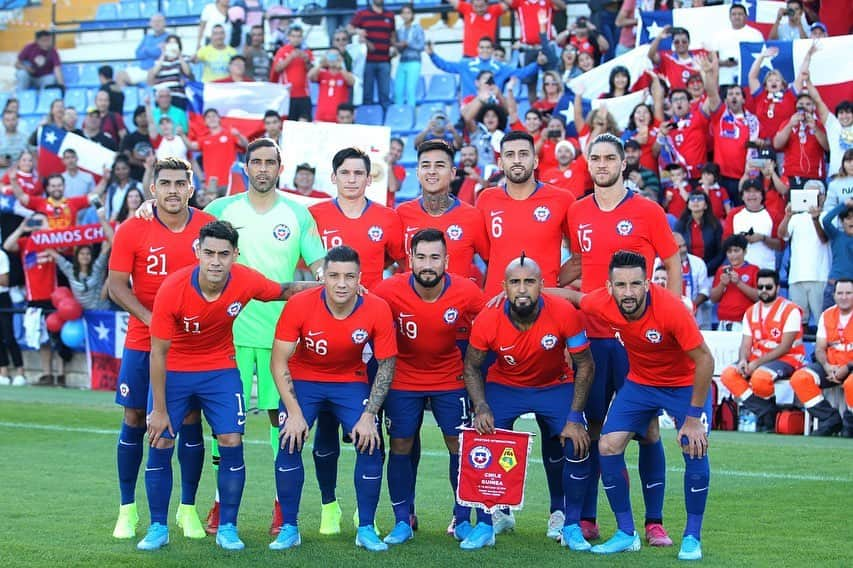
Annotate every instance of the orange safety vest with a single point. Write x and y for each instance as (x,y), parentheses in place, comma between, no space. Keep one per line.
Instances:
(839,342)
(767,333)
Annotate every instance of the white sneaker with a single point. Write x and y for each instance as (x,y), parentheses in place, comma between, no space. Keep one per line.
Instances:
(19,381)
(503,522)
(5,381)
(555,525)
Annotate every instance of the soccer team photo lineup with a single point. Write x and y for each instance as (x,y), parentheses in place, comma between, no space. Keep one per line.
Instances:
(532,281)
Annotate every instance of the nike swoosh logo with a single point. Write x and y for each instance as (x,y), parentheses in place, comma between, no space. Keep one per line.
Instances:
(393,504)
(191,319)
(584,225)
(237,468)
(327,454)
(608,486)
(153,469)
(507,348)
(402,315)
(558,460)
(123,443)
(370,477)
(411,229)
(283,470)
(573,476)
(650,485)
(241,422)
(197,444)
(328,232)
(692,490)
(155,249)
(493,213)
(313,333)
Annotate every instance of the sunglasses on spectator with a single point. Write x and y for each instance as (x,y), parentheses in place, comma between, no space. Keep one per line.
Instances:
(546,83)
(697,198)
(766,286)
(680,41)
(802,109)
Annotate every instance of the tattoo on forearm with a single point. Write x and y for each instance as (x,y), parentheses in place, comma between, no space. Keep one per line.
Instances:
(585,366)
(381,384)
(473,377)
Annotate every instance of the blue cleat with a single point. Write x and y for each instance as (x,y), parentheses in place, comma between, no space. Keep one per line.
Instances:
(289,537)
(366,537)
(573,538)
(691,549)
(481,535)
(401,532)
(156,538)
(619,542)
(462,530)
(227,537)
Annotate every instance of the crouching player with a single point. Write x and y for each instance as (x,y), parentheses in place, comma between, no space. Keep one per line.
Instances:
(192,346)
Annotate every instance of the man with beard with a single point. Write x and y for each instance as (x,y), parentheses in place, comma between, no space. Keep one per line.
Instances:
(771,350)
(469,177)
(610,220)
(671,370)
(427,304)
(527,215)
(529,335)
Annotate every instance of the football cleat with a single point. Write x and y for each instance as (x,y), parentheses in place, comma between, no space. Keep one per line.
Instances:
(367,538)
(128,519)
(451,528)
(330,518)
(277,521)
(227,537)
(503,522)
(656,535)
(555,524)
(691,549)
(572,537)
(401,532)
(211,524)
(19,381)
(288,537)
(187,519)
(590,530)
(156,538)
(481,535)
(619,542)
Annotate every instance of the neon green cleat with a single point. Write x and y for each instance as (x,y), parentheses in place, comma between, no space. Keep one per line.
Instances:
(330,518)
(187,519)
(128,518)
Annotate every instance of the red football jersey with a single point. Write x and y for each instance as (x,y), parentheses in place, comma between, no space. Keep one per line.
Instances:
(658,342)
(428,358)
(477,27)
(61,213)
(333,91)
(39,272)
(731,134)
(573,179)
(527,12)
(149,252)
(463,228)
(636,224)
(219,152)
(376,235)
(200,329)
(535,225)
(536,357)
(330,349)
(690,138)
(734,303)
(804,154)
(677,70)
(772,110)
(296,72)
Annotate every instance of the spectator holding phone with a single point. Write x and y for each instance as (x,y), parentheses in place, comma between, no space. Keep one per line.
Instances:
(172,71)
(24,174)
(734,289)
(701,230)
(439,128)
(773,101)
(290,67)
(804,143)
(335,82)
(790,22)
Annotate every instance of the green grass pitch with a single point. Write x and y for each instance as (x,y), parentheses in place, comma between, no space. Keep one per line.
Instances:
(774,501)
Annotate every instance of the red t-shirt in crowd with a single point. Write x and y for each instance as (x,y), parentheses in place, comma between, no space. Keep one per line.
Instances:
(376,235)
(677,70)
(296,72)
(149,251)
(772,110)
(734,303)
(573,178)
(535,357)
(658,342)
(28,182)
(690,138)
(60,214)
(718,197)
(428,358)
(219,152)
(731,134)
(399,172)
(476,27)
(201,330)
(39,272)
(330,349)
(527,12)
(333,91)
(804,154)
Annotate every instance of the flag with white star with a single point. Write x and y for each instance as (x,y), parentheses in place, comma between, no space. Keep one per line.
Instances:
(105,333)
(53,141)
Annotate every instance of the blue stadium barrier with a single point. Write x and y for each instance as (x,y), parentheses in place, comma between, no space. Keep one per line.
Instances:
(369,114)
(130,11)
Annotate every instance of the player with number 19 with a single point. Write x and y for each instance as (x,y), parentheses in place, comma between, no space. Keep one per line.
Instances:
(193,315)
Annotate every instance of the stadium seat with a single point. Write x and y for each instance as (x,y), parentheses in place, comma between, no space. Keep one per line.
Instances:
(453,114)
(410,189)
(89,75)
(420,92)
(177,8)
(148,9)
(45,98)
(369,114)
(78,98)
(424,113)
(399,118)
(196,6)
(27,101)
(107,12)
(410,153)
(131,11)
(131,99)
(29,123)
(71,74)
(4,97)
(441,88)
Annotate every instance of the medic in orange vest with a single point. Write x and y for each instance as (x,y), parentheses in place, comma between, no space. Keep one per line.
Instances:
(771,350)
(834,356)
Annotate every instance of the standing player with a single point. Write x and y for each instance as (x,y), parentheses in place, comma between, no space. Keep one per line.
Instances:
(276,232)
(530,334)
(527,215)
(671,369)
(611,219)
(374,231)
(317,362)
(194,314)
(144,253)
(426,303)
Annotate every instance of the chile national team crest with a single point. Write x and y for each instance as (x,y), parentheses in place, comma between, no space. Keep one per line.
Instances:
(549,341)
(450,315)
(654,336)
(454,232)
(234,309)
(542,213)
(480,457)
(281,232)
(359,336)
(375,233)
(624,227)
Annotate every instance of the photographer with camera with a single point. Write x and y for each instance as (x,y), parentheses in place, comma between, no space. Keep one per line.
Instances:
(440,128)
(335,82)
(790,22)
(734,289)
(172,71)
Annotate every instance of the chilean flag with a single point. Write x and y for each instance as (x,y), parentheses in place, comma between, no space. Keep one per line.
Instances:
(241,105)
(91,156)
(831,68)
(105,333)
(705,22)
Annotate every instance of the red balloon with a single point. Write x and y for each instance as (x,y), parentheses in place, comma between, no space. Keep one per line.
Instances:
(54,322)
(59,294)
(69,309)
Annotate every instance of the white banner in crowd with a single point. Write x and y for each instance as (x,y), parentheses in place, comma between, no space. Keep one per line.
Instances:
(316,143)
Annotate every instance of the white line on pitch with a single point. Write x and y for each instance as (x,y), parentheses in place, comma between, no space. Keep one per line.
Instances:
(434,454)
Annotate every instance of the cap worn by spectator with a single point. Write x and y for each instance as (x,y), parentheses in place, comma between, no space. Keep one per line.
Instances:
(819,25)
(307,167)
(439,114)
(632,145)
